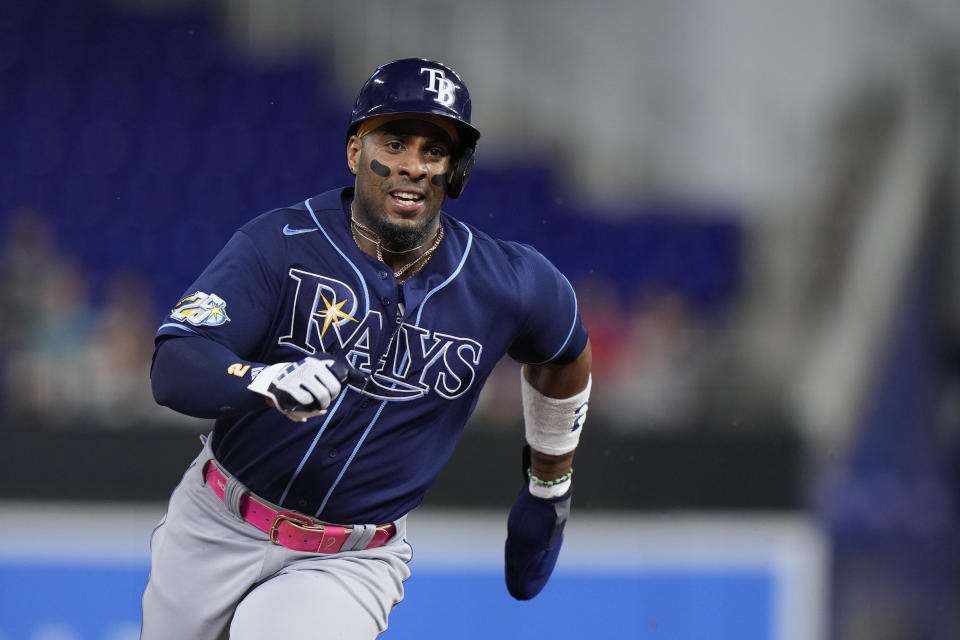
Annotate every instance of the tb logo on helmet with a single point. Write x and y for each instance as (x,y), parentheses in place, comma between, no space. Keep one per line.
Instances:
(441,86)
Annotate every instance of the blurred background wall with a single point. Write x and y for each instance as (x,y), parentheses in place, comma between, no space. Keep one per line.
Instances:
(756,202)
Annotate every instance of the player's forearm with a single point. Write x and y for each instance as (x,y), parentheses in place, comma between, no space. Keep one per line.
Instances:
(558,381)
(555,398)
(548,467)
(202,378)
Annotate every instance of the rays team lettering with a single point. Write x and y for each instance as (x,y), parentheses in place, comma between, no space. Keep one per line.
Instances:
(319,304)
(416,361)
(438,84)
(207,309)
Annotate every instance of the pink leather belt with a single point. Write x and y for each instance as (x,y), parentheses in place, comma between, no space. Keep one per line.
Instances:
(288,528)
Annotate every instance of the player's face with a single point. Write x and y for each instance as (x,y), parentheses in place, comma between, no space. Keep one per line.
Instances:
(401,180)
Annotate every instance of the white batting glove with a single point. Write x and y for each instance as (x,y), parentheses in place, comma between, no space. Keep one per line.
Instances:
(305,389)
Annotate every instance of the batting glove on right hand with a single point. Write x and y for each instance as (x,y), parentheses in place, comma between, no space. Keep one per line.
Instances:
(305,389)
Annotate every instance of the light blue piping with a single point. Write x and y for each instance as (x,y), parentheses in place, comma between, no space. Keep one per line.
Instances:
(573,325)
(174,325)
(353,454)
(453,275)
(323,427)
(366,294)
(316,439)
(366,432)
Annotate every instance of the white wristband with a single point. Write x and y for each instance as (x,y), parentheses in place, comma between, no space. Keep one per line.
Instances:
(553,491)
(552,425)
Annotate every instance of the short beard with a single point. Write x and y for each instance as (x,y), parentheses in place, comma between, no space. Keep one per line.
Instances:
(396,238)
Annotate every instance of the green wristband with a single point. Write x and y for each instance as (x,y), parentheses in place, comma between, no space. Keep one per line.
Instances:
(549,483)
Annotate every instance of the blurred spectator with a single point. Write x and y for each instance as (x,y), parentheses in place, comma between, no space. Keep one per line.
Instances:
(47,369)
(499,406)
(120,352)
(45,318)
(650,361)
(26,258)
(653,377)
(605,318)
(65,362)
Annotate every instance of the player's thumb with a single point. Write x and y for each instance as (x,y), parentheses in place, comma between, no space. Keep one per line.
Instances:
(345,372)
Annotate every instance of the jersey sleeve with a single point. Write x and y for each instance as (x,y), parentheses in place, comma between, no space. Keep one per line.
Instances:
(552,330)
(232,301)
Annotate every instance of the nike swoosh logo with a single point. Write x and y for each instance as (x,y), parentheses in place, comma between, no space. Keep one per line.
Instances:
(287,231)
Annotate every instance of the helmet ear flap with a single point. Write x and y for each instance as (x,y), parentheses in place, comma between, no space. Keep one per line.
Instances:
(460,173)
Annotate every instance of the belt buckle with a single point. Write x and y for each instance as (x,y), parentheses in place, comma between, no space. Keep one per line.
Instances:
(287,516)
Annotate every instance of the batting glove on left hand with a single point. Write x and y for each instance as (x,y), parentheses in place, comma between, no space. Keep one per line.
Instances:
(534,537)
(305,389)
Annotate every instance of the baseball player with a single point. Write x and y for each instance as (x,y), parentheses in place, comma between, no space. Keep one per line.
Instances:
(341,344)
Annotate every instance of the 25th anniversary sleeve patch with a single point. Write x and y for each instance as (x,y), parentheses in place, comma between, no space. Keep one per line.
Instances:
(201,309)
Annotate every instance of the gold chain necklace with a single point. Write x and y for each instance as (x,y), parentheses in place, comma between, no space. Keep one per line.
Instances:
(362,231)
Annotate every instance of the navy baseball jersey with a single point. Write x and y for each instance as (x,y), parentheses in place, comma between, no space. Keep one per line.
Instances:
(292,283)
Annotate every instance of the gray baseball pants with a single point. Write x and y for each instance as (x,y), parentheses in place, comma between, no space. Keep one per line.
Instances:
(214,576)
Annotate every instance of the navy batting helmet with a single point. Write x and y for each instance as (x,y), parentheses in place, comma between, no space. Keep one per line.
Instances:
(417,86)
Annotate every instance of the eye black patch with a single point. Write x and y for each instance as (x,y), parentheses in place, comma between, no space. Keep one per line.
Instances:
(439,180)
(380,169)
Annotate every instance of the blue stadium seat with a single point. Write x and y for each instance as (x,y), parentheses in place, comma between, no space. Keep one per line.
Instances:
(148,142)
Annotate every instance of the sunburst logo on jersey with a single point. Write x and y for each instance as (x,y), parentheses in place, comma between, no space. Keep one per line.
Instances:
(331,313)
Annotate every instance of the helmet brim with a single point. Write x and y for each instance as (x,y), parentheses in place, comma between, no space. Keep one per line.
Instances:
(468,134)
